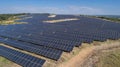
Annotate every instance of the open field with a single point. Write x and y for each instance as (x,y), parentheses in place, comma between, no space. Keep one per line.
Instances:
(109,58)
(101,53)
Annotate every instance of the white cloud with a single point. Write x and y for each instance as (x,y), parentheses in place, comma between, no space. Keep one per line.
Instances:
(58,10)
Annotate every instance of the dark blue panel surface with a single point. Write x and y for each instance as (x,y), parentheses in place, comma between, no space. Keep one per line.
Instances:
(22,59)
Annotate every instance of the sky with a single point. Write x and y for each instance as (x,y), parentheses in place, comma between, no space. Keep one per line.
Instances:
(87,7)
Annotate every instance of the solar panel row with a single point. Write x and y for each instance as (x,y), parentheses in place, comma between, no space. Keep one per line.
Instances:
(40,50)
(40,43)
(22,59)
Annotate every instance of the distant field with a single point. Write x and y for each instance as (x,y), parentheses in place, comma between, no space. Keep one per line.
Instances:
(115,18)
(7,19)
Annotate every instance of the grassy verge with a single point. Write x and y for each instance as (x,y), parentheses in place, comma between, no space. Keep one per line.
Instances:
(111,19)
(109,59)
(4,62)
(107,18)
(11,22)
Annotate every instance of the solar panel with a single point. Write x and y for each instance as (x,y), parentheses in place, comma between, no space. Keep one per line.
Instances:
(41,38)
(43,43)
(53,38)
(40,50)
(22,59)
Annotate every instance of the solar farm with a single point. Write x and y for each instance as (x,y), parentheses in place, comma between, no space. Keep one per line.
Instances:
(50,40)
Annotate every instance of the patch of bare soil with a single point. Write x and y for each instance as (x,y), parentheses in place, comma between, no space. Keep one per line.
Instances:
(52,16)
(15,65)
(60,20)
(78,59)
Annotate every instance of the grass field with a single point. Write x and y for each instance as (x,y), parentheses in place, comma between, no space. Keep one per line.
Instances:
(7,63)
(109,59)
(4,62)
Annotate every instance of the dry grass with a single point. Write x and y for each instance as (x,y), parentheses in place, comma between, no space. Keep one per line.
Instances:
(6,63)
(11,22)
(95,56)
(109,58)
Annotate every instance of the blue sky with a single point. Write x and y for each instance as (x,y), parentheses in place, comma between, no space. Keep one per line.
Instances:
(91,7)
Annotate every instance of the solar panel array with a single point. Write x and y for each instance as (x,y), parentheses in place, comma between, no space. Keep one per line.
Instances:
(23,59)
(52,39)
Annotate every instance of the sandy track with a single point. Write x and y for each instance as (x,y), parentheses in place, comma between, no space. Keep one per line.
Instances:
(86,53)
(78,59)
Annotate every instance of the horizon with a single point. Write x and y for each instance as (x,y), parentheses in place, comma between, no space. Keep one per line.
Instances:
(77,7)
(63,14)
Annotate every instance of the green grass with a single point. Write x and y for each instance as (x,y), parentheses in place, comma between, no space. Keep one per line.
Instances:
(109,59)
(4,62)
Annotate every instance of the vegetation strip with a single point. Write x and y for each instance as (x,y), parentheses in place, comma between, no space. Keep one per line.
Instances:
(6,19)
